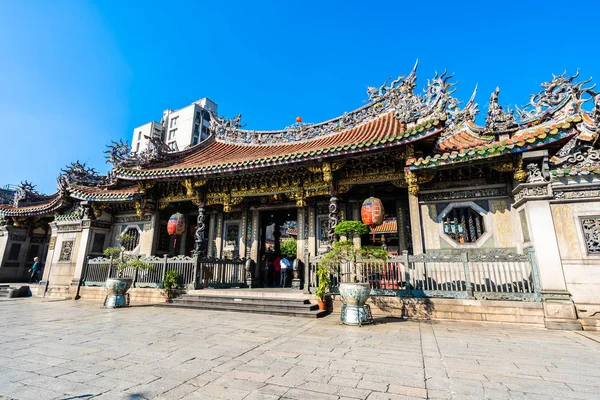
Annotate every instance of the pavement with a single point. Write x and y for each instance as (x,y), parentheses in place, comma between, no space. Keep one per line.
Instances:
(78,350)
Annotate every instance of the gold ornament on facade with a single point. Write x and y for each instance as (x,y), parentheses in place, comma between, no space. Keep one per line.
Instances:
(19,222)
(192,184)
(412,182)
(145,186)
(140,207)
(425,177)
(502,166)
(327,173)
(520,174)
(98,209)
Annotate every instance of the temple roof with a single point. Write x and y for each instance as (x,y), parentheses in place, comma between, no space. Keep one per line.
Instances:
(217,156)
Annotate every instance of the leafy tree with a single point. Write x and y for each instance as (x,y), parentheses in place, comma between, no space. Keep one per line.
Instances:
(288,248)
(351,228)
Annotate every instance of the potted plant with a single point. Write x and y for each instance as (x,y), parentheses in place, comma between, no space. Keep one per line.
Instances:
(348,262)
(323,287)
(170,284)
(117,288)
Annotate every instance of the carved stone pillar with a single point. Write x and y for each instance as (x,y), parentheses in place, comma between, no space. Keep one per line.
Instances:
(219,235)
(255,237)
(199,241)
(415,223)
(334,217)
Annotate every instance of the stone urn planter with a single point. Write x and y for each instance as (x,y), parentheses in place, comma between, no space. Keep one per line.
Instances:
(116,291)
(354,296)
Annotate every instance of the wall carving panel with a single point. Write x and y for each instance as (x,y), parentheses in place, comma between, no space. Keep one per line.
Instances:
(66,251)
(591,233)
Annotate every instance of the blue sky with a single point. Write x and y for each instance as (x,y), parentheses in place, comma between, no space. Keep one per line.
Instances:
(76,74)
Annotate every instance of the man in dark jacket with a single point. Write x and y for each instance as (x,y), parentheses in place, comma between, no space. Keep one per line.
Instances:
(34,270)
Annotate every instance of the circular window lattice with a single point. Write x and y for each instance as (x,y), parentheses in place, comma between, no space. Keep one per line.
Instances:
(133,239)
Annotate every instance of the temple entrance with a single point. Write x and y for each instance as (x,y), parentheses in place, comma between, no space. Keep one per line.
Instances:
(279,231)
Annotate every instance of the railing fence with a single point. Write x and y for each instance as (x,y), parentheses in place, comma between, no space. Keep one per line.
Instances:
(491,275)
(193,272)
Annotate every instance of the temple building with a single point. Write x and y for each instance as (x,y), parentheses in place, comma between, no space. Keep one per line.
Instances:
(526,183)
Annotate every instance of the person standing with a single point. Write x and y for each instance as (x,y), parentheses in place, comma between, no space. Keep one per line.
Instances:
(285,267)
(34,270)
(277,271)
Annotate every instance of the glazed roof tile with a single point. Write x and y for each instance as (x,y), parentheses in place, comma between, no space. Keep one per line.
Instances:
(389,226)
(384,131)
(524,140)
(104,194)
(51,204)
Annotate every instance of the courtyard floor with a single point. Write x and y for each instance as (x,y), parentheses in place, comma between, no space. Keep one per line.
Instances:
(77,350)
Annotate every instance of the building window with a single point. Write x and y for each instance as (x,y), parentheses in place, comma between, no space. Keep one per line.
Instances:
(137,147)
(196,128)
(172,145)
(197,116)
(133,239)
(174,122)
(206,115)
(195,140)
(172,133)
(140,135)
(591,233)
(66,250)
(463,225)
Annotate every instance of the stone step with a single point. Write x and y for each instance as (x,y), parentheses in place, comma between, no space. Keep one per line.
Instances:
(248,309)
(258,292)
(244,299)
(258,304)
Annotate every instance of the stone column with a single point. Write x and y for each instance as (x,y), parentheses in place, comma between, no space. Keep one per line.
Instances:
(219,235)
(300,236)
(4,233)
(210,251)
(312,230)
(534,193)
(415,222)
(199,241)
(149,236)
(559,310)
(334,217)
(82,251)
(255,237)
(244,232)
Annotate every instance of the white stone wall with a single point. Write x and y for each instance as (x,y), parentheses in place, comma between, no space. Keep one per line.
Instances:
(581,270)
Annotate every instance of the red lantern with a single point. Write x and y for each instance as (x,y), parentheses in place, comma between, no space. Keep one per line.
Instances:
(298,119)
(176,225)
(372,212)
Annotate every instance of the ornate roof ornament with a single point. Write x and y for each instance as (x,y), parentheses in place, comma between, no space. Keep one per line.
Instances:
(498,120)
(581,160)
(396,96)
(459,117)
(20,194)
(120,154)
(78,172)
(556,94)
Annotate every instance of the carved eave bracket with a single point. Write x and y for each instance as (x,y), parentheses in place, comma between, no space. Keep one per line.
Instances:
(412,180)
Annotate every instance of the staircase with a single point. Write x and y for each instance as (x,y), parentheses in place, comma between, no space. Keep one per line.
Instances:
(6,290)
(284,303)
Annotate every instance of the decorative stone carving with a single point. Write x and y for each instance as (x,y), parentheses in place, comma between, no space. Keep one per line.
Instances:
(464,194)
(576,194)
(333,218)
(534,174)
(582,160)
(66,251)
(591,233)
(199,244)
(531,191)
(132,218)
(553,96)
(497,119)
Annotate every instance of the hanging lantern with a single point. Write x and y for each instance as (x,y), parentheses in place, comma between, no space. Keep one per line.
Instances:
(372,212)
(176,225)
(298,119)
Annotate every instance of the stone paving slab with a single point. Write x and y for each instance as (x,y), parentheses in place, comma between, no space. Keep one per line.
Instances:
(67,350)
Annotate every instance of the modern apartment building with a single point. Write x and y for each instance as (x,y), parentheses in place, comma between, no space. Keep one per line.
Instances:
(179,129)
